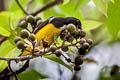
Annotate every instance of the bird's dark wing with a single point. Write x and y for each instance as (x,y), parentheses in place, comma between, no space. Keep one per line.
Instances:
(59,22)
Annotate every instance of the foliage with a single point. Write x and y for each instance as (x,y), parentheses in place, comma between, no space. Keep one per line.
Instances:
(30,76)
(58,60)
(108,10)
(113,19)
(7,50)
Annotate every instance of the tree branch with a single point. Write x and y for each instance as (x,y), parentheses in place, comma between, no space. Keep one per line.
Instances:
(28,57)
(46,6)
(7,74)
(2,39)
(21,7)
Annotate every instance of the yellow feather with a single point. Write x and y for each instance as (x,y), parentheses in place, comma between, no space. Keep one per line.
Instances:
(46,33)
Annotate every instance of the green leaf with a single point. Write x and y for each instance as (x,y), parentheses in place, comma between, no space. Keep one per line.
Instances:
(78,15)
(67,10)
(15,7)
(18,30)
(90,24)
(58,60)
(5,17)
(113,19)
(80,3)
(31,75)
(4,32)
(56,11)
(112,1)
(17,52)
(4,21)
(55,37)
(12,37)
(66,2)
(102,5)
(41,1)
(6,50)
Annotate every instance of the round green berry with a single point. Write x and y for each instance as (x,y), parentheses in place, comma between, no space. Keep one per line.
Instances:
(70,38)
(30,19)
(82,33)
(37,18)
(24,33)
(89,41)
(78,60)
(77,68)
(75,34)
(85,46)
(39,22)
(82,41)
(23,24)
(53,48)
(32,37)
(58,53)
(71,28)
(20,45)
(17,39)
(82,51)
(64,48)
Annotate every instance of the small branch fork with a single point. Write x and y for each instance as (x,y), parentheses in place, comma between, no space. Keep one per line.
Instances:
(21,7)
(46,6)
(28,57)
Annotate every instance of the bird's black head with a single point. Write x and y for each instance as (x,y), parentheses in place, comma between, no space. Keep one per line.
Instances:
(72,20)
(60,21)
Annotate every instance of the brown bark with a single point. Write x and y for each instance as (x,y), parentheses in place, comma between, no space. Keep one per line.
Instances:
(2,5)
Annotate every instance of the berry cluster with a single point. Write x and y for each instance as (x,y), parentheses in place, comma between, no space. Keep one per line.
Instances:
(75,37)
(71,35)
(25,32)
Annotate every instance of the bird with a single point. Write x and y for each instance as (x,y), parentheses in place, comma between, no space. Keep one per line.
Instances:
(46,30)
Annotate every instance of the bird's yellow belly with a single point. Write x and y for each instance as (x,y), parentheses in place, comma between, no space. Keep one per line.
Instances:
(47,33)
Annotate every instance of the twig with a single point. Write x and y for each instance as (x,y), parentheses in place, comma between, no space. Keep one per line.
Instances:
(2,39)
(28,57)
(24,67)
(21,7)
(33,50)
(14,74)
(46,6)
